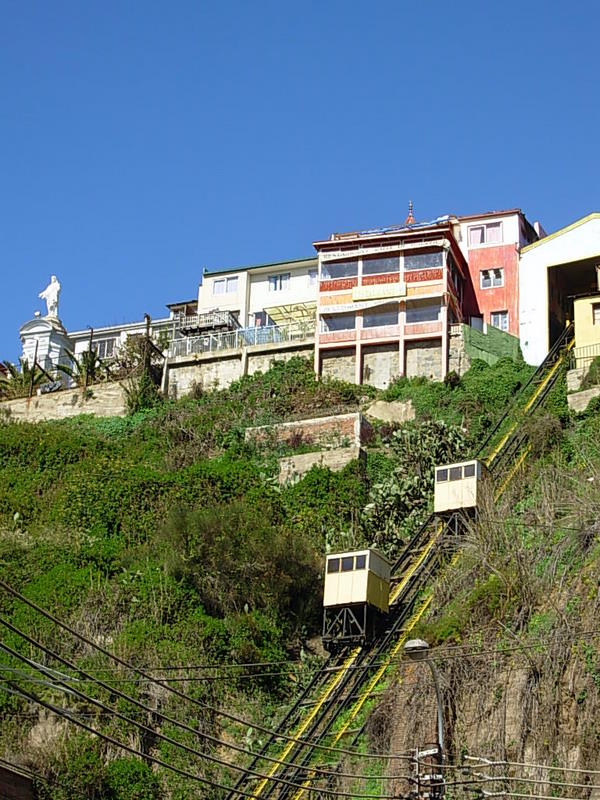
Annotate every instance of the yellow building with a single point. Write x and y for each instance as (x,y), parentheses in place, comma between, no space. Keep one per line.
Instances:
(587,330)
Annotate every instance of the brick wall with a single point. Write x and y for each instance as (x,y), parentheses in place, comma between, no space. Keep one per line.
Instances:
(333,432)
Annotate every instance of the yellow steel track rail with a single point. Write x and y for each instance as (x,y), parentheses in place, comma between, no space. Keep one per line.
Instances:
(420,611)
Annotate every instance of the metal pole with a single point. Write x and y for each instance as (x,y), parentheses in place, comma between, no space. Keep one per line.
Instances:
(87,368)
(440,711)
(34,365)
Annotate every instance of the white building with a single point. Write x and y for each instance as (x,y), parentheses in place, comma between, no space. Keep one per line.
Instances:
(553,272)
(265,294)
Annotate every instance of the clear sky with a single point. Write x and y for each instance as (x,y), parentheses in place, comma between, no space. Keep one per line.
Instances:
(141,141)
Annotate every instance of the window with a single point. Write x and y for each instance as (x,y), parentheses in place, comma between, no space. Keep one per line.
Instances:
(278,283)
(225,285)
(105,348)
(424,311)
(469,470)
(490,278)
(375,319)
(424,260)
(499,319)
(339,269)
(347,563)
(376,266)
(441,475)
(312,277)
(339,322)
(485,234)
(596,313)
(361,562)
(333,565)
(455,473)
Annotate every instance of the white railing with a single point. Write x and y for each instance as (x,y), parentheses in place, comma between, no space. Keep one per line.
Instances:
(242,337)
(206,320)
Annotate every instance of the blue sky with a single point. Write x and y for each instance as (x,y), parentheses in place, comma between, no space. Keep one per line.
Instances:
(143,141)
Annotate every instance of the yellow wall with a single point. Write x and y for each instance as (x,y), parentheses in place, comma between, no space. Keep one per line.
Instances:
(586,333)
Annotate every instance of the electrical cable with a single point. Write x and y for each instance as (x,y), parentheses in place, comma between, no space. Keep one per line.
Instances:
(175,691)
(66,714)
(139,704)
(491,763)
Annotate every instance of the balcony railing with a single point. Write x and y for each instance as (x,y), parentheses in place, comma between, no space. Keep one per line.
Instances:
(242,337)
(209,319)
(583,356)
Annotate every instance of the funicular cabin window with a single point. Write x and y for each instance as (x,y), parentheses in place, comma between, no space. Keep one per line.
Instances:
(339,269)
(441,475)
(455,473)
(347,563)
(424,260)
(376,266)
(469,470)
(361,562)
(333,565)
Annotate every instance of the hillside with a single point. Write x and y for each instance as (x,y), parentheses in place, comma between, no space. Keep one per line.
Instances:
(166,539)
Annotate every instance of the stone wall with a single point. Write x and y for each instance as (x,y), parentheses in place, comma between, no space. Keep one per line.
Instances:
(293,468)
(339,363)
(424,358)
(218,370)
(332,432)
(101,399)
(381,364)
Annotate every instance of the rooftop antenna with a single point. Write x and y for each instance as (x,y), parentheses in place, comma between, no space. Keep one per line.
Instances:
(410,220)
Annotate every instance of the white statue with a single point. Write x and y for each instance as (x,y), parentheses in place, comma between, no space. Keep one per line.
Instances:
(50,295)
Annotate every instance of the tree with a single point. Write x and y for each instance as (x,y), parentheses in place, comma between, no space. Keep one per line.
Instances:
(18,382)
(84,369)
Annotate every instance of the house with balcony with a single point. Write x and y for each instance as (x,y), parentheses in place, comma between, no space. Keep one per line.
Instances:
(386,300)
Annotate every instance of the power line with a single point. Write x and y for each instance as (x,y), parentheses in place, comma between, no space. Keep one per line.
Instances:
(177,692)
(66,714)
(491,763)
(142,706)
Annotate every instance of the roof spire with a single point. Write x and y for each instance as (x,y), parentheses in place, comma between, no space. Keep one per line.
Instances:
(410,220)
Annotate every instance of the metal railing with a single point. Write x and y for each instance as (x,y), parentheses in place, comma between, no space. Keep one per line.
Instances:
(206,320)
(242,337)
(583,356)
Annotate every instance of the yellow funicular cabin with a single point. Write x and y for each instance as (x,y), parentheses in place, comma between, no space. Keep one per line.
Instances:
(459,486)
(356,596)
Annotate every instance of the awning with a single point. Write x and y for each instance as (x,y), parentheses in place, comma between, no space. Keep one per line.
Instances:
(294,312)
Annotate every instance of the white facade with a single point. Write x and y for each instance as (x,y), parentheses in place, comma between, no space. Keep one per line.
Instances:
(108,339)
(257,295)
(497,230)
(575,243)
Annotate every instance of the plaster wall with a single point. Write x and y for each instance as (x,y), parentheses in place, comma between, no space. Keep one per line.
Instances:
(298,291)
(586,333)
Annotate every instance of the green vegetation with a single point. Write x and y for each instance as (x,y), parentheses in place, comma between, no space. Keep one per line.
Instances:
(166,537)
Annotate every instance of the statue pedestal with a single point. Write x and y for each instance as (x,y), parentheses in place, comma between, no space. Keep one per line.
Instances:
(52,342)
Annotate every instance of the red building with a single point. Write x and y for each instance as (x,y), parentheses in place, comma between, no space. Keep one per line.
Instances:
(491,244)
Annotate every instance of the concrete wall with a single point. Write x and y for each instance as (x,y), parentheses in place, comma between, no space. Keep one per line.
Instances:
(424,359)
(102,400)
(467,343)
(577,242)
(294,467)
(380,364)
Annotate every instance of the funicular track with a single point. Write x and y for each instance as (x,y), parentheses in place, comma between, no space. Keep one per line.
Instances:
(347,680)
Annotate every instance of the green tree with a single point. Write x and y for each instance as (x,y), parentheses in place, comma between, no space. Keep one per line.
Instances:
(84,369)
(17,382)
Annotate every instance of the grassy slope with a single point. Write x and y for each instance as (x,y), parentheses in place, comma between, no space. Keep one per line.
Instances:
(165,536)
